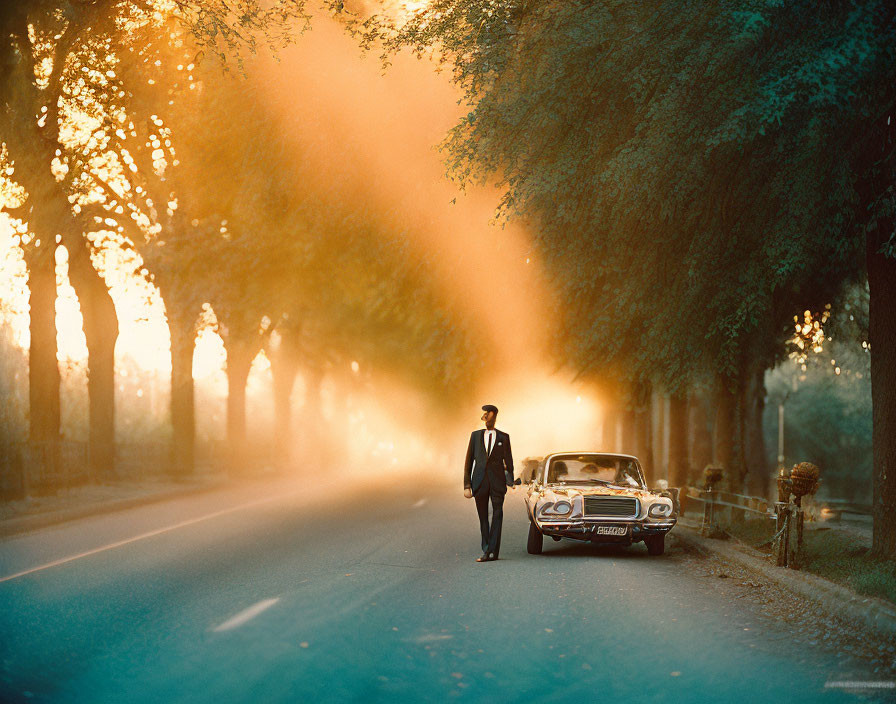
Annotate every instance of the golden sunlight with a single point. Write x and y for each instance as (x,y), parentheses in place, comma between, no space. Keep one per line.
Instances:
(143,335)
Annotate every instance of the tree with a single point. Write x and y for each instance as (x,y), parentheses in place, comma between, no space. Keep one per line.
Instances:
(696,173)
(259,235)
(825,387)
(60,57)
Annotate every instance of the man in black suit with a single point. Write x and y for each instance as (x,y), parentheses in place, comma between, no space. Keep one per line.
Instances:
(488,471)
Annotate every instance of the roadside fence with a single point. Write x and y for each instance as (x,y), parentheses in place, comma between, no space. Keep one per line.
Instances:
(40,468)
(725,506)
(787,512)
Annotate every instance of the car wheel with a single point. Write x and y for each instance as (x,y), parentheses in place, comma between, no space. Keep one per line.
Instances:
(536,540)
(656,544)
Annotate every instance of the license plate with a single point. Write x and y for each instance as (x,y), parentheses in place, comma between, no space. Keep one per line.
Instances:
(611,530)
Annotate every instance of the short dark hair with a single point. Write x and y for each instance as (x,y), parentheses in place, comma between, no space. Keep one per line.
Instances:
(490,407)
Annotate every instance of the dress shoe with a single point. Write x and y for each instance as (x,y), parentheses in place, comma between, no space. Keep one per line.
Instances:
(484,557)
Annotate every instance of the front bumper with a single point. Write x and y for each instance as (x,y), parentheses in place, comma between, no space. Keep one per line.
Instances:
(586,529)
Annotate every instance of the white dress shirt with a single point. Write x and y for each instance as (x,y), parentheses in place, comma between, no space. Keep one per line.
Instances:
(485,439)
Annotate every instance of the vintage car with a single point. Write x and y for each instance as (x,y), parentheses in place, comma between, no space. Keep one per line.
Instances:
(596,497)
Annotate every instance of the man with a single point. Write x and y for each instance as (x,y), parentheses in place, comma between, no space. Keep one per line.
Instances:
(488,471)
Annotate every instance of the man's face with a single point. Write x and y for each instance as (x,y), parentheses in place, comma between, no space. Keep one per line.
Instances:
(489,418)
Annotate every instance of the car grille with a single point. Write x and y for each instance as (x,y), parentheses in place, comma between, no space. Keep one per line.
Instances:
(615,506)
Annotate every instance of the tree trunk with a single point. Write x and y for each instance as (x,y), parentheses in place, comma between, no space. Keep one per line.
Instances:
(700,441)
(315,442)
(284,369)
(183,415)
(240,353)
(627,418)
(755,461)
(882,336)
(32,149)
(101,332)
(724,427)
(608,428)
(644,428)
(284,375)
(678,440)
(643,440)
(43,367)
(314,379)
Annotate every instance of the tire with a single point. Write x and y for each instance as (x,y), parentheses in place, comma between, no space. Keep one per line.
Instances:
(656,544)
(535,544)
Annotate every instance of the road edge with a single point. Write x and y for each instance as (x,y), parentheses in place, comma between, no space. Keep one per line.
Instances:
(12,527)
(871,613)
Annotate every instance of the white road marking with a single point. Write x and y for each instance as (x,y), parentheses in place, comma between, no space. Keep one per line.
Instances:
(142,536)
(246,615)
(431,638)
(419,503)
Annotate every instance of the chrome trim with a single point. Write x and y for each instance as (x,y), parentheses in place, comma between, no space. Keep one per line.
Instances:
(583,531)
(636,514)
(659,503)
(594,520)
(547,510)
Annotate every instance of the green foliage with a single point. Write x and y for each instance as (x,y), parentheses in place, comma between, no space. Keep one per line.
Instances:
(691,170)
(217,209)
(258,231)
(827,417)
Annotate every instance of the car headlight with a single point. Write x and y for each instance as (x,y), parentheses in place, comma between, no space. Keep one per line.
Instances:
(561,508)
(660,510)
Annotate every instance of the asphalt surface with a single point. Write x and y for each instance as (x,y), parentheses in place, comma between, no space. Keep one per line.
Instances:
(295,594)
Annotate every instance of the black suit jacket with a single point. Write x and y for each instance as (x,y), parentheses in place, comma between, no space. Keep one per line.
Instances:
(498,466)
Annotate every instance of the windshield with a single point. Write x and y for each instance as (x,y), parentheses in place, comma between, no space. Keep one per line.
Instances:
(603,469)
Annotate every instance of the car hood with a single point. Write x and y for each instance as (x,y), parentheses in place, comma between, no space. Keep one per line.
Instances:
(572,491)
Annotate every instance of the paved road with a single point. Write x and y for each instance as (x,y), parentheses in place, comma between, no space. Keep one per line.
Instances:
(374,596)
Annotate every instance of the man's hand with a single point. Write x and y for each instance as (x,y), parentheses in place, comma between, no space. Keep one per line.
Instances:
(468,492)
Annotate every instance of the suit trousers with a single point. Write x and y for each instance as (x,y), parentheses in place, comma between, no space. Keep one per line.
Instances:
(491,533)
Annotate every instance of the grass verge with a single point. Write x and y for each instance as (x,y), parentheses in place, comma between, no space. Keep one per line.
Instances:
(837,555)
